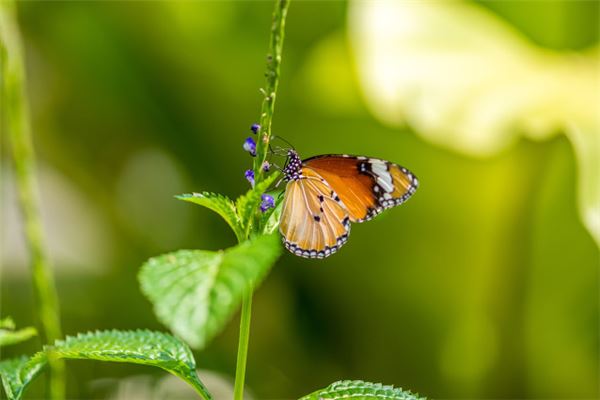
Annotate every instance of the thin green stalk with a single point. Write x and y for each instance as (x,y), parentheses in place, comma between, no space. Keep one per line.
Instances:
(16,116)
(262,146)
(242,355)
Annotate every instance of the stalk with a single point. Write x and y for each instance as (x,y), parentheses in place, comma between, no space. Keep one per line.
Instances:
(272,82)
(242,355)
(15,115)
(262,146)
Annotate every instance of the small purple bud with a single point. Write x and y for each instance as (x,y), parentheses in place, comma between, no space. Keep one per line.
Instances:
(266,166)
(255,128)
(250,146)
(249,174)
(267,202)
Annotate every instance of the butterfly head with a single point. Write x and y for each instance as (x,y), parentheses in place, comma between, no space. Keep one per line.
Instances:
(293,166)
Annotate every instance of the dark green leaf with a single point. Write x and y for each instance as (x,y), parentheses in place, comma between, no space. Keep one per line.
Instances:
(359,390)
(196,292)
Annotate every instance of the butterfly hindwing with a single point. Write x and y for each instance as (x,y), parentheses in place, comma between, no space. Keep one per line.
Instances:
(366,186)
(314,222)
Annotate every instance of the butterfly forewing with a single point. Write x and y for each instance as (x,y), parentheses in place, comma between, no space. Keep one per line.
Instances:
(366,186)
(314,221)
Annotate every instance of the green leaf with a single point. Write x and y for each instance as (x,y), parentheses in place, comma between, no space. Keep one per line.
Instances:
(269,221)
(137,347)
(361,390)
(196,292)
(247,204)
(8,334)
(220,204)
(17,373)
(7,323)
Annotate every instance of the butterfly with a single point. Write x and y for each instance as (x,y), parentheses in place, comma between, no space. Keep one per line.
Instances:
(324,194)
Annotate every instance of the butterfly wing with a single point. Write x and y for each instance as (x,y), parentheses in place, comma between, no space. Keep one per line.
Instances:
(366,186)
(313,223)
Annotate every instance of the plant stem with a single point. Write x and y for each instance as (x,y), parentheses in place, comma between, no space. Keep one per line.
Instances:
(264,137)
(242,356)
(16,115)
(272,82)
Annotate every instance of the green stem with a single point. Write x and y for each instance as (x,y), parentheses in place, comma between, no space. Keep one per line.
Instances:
(262,146)
(19,132)
(272,82)
(242,356)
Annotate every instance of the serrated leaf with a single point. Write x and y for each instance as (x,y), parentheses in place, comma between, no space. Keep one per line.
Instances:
(247,204)
(220,204)
(17,373)
(137,347)
(361,390)
(196,292)
(8,334)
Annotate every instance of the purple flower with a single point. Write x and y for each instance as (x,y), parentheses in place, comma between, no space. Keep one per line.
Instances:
(266,166)
(267,202)
(250,146)
(249,174)
(255,128)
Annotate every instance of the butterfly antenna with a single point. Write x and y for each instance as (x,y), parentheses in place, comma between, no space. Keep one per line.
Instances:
(284,140)
(278,183)
(279,151)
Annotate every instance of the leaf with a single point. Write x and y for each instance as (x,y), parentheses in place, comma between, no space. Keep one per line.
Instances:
(137,347)
(361,390)
(7,323)
(220,204)
(247,204)
(8,334)
(17,373)
(269,221)
(196,292)
(13,337)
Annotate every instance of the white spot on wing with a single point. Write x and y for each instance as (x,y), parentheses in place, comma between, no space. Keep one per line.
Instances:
(386,183)
(379,168)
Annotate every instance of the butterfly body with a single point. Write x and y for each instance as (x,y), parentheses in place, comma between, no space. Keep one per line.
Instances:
(325,193)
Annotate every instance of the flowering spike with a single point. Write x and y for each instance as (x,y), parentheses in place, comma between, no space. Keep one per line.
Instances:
(249,174)
(266,166)
(250,146)
(267,202)
(255,128)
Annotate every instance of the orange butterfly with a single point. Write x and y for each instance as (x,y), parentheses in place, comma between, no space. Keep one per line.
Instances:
(325,193)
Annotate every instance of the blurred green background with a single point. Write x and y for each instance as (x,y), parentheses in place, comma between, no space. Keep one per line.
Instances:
(484,285)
